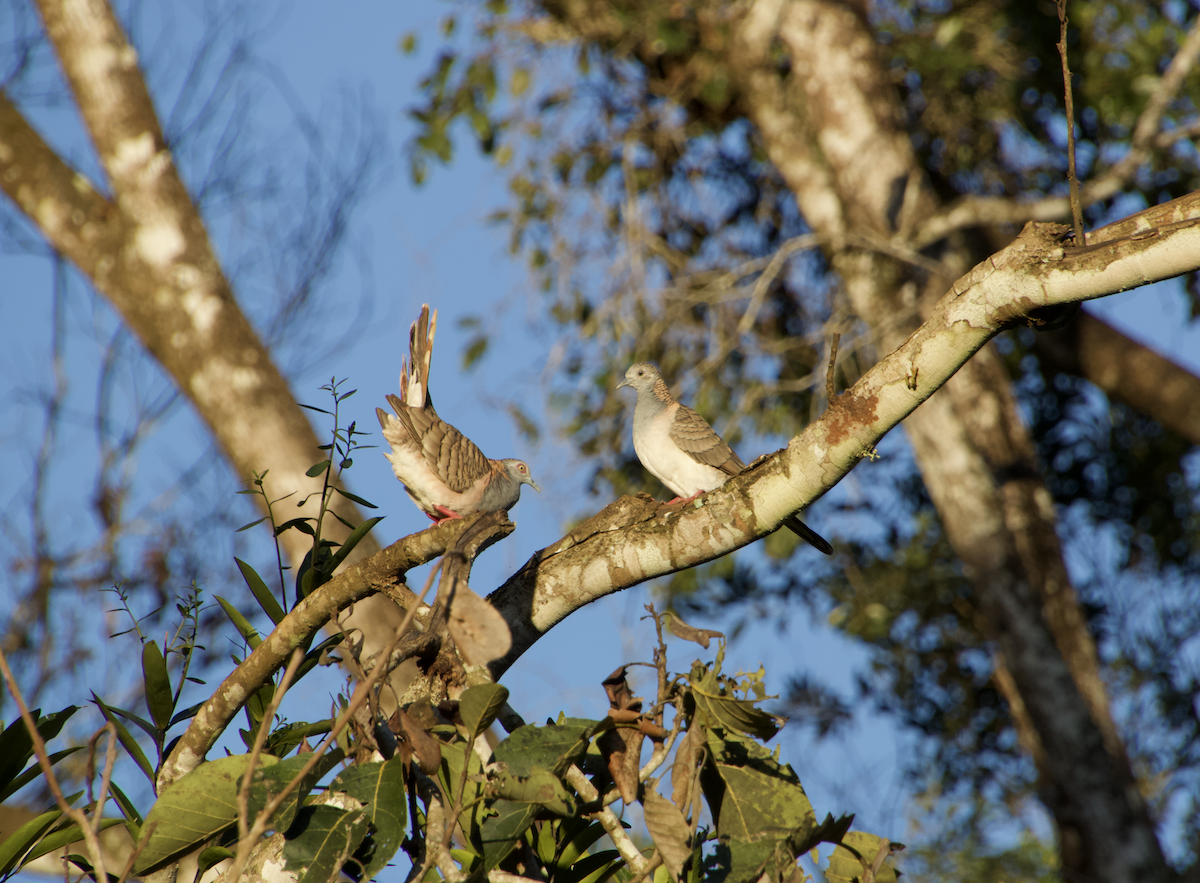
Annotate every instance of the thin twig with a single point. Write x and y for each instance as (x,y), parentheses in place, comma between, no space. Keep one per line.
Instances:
(607,819)
(1069,107)
(264,726)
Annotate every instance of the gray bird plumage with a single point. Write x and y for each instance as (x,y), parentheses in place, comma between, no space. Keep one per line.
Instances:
(443,471)
(682,450)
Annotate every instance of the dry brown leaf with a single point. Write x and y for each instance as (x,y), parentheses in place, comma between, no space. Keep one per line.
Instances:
(477,627)
(669,830)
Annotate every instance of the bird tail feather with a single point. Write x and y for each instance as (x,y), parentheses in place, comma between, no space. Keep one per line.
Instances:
(810,536)
(414,375)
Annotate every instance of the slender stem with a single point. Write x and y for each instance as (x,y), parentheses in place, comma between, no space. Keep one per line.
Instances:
(1069,107)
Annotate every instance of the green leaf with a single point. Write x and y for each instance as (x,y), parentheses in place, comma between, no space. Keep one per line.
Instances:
(479,705)
(756,794)
(300,524)
(16,748)
(126,805)
(317,468)
(271,780)
(355,498)
(126,739)
(209,858)
(255,523)
(260,591)
(593,868)
(554,746)
(856,852)
(577,837)
(33,772)
(475,350)
(65,836)
(240,623)
(500,832)
(142,724)
(283,739)
(189,712)
(540,786)
(20,841)
(727,712)
(351,541)
(321,840)
(201,804)
(159,700)
(314,656)
(380,788)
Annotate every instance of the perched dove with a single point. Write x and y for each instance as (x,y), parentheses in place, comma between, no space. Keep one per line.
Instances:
(443,471)
(682,451)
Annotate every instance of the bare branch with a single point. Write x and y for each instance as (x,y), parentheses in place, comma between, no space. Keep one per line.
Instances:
(972,211)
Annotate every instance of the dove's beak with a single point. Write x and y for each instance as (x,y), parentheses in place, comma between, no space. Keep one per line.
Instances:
(624,382)
(533,484)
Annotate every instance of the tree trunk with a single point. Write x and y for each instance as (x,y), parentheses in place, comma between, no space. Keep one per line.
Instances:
(832,128)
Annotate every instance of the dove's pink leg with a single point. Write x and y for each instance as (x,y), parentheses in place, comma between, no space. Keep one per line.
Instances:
(450,514)
(681,500)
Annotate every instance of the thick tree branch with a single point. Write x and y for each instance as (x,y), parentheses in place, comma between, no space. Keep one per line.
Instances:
(381,573)
(147,251)
(636,538)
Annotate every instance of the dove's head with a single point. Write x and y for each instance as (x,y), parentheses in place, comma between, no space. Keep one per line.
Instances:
(519,473)
(641,376)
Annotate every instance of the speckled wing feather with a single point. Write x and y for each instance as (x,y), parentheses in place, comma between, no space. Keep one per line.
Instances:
(700,441)
(451,455)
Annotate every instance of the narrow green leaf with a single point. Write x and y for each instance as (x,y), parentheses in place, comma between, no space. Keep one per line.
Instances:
(33,772)
(351,541)
(160,701)
(479,706)
(300,524)
(140,722)
(261,593)
(64,836)
(127,741)
(191,710)
(355,498)
(285,738)
(16,748)
(317,468)
(126,805)
(594,868)
(255,523)
(20,841)
(240,623)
